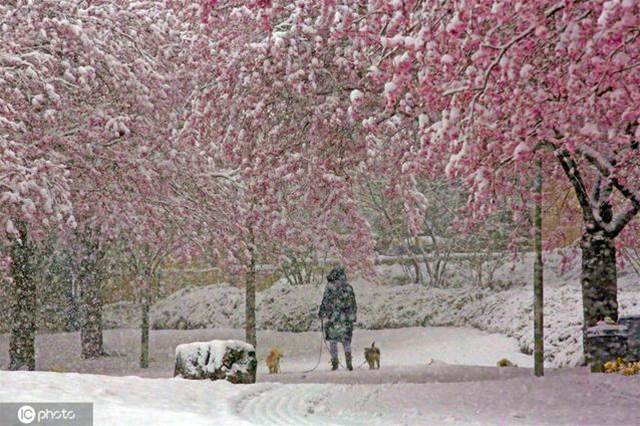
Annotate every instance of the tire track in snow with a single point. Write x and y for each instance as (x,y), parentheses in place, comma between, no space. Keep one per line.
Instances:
(306,404)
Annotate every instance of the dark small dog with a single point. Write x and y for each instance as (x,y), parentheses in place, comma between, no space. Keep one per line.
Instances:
(372,355)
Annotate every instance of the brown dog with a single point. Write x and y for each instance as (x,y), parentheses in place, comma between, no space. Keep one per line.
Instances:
(273,361)
(372,355)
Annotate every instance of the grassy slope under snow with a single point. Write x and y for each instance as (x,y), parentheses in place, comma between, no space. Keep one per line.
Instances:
(286,308)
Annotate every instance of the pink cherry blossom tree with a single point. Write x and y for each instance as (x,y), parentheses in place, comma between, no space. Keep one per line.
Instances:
(489,85)
(251,219)
(268,169)
(86,117)
(130,150)
(475,90)
(558,80)
(35,185)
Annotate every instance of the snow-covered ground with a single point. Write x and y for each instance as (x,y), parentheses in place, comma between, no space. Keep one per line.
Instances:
(406,347)
(564,399)
(505,308)
(411,355)
(578,398)
(439,349)
(130,400)
(429,376)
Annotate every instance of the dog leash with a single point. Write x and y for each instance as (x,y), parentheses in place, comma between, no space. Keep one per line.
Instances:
(339,362)
(361,365)
(319,354)
(322,343)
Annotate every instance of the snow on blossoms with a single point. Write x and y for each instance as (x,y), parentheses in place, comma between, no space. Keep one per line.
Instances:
(83,106)
(478,90)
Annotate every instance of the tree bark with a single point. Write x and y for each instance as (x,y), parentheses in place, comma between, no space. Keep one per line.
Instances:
(250,300)
(598,279)
(22,351)
(599,274)
(538,281)
(416,269)
(479,272)
(91,307)
(144,332)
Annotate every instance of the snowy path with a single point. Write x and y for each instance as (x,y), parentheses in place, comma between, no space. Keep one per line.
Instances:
(402,347)
(567,397)
(437,372)
(459,388)
(296,405)
(573,397)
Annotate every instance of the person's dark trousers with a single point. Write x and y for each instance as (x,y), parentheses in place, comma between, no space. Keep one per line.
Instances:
(333,350)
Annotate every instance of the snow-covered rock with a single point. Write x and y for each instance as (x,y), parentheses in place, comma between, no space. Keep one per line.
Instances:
(231,360)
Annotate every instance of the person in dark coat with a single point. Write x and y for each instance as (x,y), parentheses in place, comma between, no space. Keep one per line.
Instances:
(338,314)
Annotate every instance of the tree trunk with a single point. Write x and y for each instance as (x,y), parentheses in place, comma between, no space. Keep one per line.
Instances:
(599,280)
(250,301)
(22,351)
(144,332)
(599,274)
(538,280)
(418,274)
(91,307)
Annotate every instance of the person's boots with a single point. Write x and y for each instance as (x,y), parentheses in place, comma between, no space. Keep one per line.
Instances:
(347,356)
(334,364)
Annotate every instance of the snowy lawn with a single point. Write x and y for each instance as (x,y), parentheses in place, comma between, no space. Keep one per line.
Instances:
(128,400)
(508,311)
(402,347)
(560,399)
(428,376)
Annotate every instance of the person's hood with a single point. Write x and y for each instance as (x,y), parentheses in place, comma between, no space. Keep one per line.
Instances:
(337,274)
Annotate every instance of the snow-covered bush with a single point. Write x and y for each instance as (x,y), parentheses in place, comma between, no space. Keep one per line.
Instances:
(285,307)
(231,360)
(217,305)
